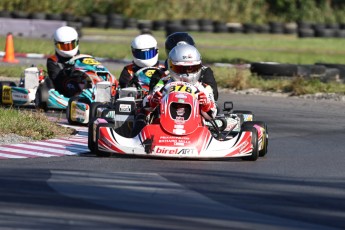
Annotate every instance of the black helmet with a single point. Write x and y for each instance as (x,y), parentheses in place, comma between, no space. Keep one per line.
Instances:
(175,38)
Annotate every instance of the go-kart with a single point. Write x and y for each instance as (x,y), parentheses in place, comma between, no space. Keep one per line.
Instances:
(179,130)
(138,87)
(99,86)
(96,84)
(24,93)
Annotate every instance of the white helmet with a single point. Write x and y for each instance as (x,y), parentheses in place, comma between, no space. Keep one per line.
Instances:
(66,41)
(144,50)
(184,63)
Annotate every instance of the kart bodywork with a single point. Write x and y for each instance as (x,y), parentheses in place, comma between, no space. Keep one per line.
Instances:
(179,130)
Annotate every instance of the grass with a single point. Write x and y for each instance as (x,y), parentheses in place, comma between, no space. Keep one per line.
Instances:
(214,47)
(30,124)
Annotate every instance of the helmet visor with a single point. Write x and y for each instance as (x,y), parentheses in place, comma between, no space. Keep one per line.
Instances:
(67,46)
(181,69)
(144,54)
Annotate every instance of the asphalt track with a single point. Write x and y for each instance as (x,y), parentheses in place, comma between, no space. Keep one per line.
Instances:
(300,184)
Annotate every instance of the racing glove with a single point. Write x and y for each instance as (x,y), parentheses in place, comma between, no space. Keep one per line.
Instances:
(204,102)
(155,99)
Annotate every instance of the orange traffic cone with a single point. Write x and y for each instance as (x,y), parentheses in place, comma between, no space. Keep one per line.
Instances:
(9,50)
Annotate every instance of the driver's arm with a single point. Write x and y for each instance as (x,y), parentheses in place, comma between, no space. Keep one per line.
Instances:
(124,78)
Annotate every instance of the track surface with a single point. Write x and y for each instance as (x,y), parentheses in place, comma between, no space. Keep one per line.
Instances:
(298,185)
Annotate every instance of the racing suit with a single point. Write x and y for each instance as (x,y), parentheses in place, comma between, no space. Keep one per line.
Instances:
(208,106)
(128,72)
(61,74)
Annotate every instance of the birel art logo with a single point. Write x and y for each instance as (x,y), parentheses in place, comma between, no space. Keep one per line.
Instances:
(173,151)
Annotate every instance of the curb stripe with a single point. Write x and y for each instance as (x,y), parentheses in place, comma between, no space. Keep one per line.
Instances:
(24,151)
(38,150)
(50,147)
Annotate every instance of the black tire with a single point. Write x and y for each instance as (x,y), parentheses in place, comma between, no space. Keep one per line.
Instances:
(276,27)
(340,67)
(263,29)
(145,24)
(255,152)
(325,33)
(90,144)
(115,21)
(5,14)
(86,21)
(99,20)
(220,27)
(56,17)
(38,15)
(5,83)
(20,14)
(42,95)
(249,28)
(93,109)
(130,23)
(274,69)
(158,25)
(310,70)
(191,24)
(262,124)
(306,33)
(172,28)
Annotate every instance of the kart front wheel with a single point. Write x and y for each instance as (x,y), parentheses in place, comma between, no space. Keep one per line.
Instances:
(255,143)
(264,141)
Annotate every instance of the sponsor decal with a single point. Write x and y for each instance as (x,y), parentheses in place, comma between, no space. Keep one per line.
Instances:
(125,108)
(174,151)
(90,61)
(106,141)
(181,96)
(6,95)
(173,140)
(179,131)
(179,126)
(19,96)
(179,120)
(248,117)
(73,111)
(243,145)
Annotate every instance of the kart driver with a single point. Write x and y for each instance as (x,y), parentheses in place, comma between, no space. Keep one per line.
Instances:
(206,75)
(184,64)
(66,44)
(145,54)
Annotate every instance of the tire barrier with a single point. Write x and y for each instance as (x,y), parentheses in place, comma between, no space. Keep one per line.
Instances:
(301,29)
(322,71)
(29,27)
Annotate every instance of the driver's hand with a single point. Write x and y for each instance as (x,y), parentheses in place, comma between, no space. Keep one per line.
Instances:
(204,102)
(155,99)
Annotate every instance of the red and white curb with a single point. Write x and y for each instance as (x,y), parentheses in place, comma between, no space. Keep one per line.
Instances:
(69,146)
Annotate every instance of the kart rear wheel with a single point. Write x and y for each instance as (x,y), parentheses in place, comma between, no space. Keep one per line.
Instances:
(255,143)
(41,97)
(263,125)
(93,109)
